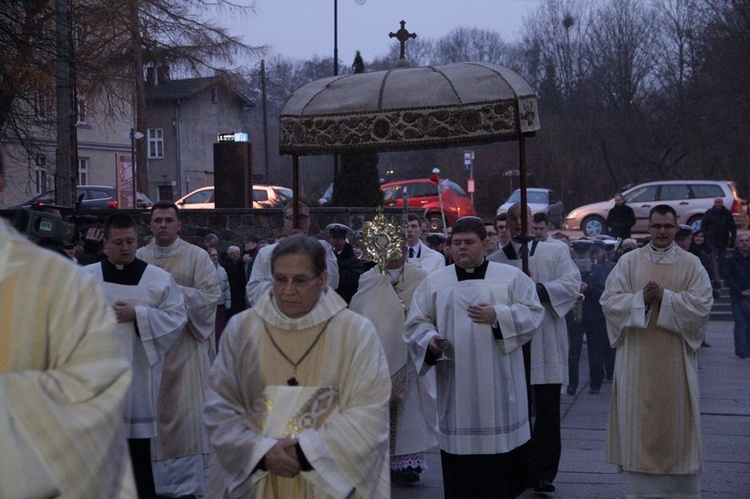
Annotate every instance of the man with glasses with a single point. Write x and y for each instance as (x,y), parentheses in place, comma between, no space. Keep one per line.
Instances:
(737,280)
(657,301)
(260,275)
(490,243)
(503,234)
(298,397)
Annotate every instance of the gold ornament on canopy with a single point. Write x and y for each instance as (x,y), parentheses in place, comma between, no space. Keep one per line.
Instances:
(382,240)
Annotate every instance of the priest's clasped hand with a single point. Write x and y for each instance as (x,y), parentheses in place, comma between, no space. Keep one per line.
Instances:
(124,311)
(282,458)
(482,313)
(652,292)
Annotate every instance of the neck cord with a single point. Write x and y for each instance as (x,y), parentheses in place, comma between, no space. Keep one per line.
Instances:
(293,380)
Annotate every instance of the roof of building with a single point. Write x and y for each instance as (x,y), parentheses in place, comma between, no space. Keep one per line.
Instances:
(182,89)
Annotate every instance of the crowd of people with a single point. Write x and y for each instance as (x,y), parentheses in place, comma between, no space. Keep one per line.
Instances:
(306,367)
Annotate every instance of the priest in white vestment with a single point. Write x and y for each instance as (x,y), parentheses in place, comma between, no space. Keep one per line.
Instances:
(298,396)
(384,296)
(558,283)
(657,302)
(150,312)
(486,312)
(63,379)
(180,449)
(260,275)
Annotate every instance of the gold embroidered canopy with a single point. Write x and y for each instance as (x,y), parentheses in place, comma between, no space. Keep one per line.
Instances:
(408,108)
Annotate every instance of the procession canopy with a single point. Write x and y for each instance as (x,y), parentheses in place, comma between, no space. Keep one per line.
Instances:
(408,108)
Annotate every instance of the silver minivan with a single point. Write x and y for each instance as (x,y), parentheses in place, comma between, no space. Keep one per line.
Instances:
(689,198)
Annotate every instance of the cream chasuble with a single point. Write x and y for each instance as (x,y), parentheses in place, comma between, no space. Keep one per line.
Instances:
(385,303)
(481,390)
(552,266)
(179,449)
(339,411)
(654,424)
(63,379)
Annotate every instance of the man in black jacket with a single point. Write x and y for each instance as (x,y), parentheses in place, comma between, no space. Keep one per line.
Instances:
(721,231)
(620,218)
(350,267)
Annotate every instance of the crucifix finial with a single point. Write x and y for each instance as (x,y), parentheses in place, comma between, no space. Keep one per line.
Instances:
(402,35)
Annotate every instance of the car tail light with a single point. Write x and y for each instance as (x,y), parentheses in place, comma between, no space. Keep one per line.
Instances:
(113,204)
(735,206)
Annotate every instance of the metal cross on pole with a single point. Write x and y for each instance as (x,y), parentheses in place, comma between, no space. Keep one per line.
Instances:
(402,36)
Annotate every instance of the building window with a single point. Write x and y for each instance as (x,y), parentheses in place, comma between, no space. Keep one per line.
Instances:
(41,176)
(40,103)
(155,143)
(81,109)
(83,171)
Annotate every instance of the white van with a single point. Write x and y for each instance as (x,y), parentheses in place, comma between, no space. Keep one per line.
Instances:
(264,196)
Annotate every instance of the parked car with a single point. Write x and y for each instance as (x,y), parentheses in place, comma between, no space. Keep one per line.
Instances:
(95,197)
(423,193)
(689,198)
(264,196)
(539,201)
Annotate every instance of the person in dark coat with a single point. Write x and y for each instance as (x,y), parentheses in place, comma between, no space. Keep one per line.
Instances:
(621,218)
(350,267)
(235,268)
(721,231)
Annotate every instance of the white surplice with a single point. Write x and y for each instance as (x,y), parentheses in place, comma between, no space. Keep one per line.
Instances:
(160,317)
(428,259)
(63,379)
(180,450)
(385,302)
(339,411)
(654,424)
(481,390)
(260,278)
(552,266)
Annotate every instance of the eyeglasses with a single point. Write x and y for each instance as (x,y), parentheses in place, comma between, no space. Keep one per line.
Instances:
(301,217)
(743,240)
(663,226)
(490,233)
(298,281)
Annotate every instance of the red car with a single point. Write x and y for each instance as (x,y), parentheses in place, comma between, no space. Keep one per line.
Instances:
(423,193)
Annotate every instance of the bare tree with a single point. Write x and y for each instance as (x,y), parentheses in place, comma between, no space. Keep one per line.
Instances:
(470,44)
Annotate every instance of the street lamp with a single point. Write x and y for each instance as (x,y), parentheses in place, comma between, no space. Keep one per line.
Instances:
(134,135)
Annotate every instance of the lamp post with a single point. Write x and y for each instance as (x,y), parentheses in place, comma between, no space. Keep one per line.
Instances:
(134,135)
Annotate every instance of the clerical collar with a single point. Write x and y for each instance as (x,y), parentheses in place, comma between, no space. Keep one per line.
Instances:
(660,250)
(477,272)
(129,274)
(120,266)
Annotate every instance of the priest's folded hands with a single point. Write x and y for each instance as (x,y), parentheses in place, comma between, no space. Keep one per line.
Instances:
(482,313)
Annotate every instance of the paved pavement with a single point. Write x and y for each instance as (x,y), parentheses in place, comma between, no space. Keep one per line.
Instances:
(725,413)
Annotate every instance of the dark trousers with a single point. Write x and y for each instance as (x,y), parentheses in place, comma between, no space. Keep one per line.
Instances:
(546,446)
(480,476)
(741,328)
(140,456)
(596,346)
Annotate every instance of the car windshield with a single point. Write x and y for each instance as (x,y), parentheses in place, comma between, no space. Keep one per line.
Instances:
(536,197)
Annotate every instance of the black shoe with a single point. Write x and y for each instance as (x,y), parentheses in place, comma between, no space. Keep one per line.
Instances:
(409,475)
(593,390)
(543,485)
(571,390)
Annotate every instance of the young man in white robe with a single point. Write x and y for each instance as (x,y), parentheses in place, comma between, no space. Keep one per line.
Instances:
(150,312)
(418,252)
(486,312)
(384,296)
(657,301)
(180,449)
(558,283)
(298,397)
(260,278)
(63,379)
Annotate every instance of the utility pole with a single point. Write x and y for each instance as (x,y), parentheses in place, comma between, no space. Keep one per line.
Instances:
(265,120)
(66,153)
